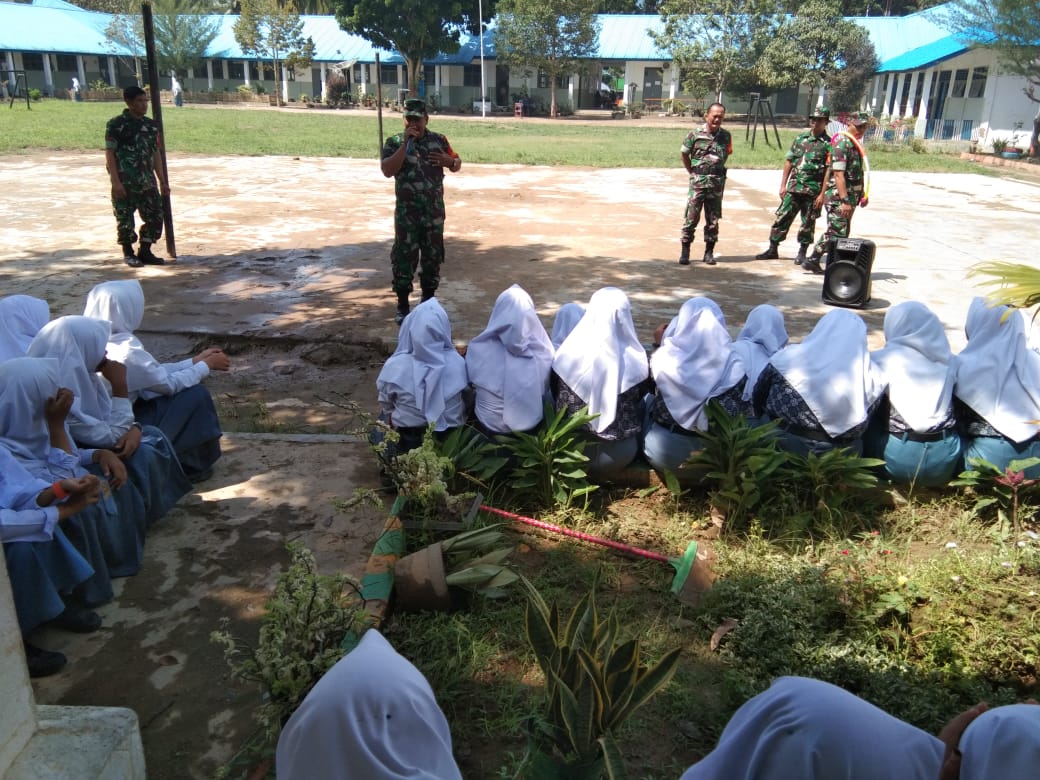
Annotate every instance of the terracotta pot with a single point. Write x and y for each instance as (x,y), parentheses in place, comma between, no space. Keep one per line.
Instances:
(419,581)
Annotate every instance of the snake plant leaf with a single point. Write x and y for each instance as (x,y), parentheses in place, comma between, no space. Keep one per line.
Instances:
(613,762)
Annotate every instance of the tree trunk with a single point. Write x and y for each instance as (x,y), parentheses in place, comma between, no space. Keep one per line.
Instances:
(276,67)
(412,71)
(1034,146)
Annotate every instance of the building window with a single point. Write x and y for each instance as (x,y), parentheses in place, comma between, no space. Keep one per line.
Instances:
(471,75)
(67,62)
(430,76)
(358,78)
(543,80)
(960,83)
(32,62)
(978,82)
(388,74)
(235,71)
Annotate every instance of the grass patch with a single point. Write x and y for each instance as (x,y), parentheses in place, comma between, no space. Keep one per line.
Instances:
(65,125)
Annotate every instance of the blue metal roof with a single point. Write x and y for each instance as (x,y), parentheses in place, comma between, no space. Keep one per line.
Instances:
(923,56)
(44,28)
(625,37)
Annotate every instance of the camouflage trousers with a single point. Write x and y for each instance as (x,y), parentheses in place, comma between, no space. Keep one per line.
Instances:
(418,243)
(837,225)
(710,200)
(148,203)
(792,205)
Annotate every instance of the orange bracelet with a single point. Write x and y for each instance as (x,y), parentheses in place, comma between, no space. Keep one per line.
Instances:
(59,491)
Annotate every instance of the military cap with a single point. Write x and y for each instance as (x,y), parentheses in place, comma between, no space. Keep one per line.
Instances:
(822,112)
(859,118)
(415,107)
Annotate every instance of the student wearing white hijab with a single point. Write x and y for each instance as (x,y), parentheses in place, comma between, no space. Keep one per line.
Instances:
(101,415)
(509,365)
(696,363)
(914,427)
(42,564)
(823,390)
(109,533)
(566,318)
(166,395)
(762,336)
(998,389)
(372,716)
(21,317)
(602,365)
(423,381)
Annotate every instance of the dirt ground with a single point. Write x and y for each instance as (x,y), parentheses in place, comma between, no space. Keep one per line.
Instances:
(284,263)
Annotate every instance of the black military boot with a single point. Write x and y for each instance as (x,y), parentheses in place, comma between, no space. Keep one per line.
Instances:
(130,257)
(684,256)
(144,254)
(813,263)
(428,292)
(771,253)
(709,253)
(402,307)
(800,257)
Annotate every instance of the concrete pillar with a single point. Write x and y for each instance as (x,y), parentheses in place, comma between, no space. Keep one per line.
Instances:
(112,71)
(18,715)
(324,87)
(988,93)
(209,75)
(911,97)
(921,127)
(81,71)
(893,110)
(245,71)
(886,108)
(874,94)
(48,77)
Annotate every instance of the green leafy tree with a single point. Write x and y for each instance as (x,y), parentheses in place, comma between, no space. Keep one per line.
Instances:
(415,29)
(124,35)
(716,42)
(553,36)
(272,32)
(183,33)
(847,85)
(811,47)
(1011,28)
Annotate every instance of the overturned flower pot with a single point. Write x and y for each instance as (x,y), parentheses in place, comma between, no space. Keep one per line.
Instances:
(420,582)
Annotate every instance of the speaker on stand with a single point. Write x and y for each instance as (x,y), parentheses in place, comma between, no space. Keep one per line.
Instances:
(846,278)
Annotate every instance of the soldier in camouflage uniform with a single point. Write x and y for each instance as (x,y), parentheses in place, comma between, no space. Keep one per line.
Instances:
(844,192)
(800,184)
(704,154)
(416,159)
(133,163)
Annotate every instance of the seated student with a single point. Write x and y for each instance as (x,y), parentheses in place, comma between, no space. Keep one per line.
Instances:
(101,415)
(998,389)
(823,390)
(914,429)
(372,716)
(762,336)
(42,564)
(509,364)
(695,364)
(21,317)
(812,730)
(566,318)
(109,533)
(166,395)
(602,365)
(423,381)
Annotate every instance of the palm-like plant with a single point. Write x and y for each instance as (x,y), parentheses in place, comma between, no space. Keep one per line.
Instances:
(1013,284)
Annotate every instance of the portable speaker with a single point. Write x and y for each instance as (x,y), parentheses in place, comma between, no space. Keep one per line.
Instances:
(846,280)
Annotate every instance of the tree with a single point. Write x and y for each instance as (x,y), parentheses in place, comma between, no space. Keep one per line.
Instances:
(125,36)
(551,35)
(415,29)
(810,48)
(717,41)
(275,33)
(1011,28)
(183,33)
(847,85)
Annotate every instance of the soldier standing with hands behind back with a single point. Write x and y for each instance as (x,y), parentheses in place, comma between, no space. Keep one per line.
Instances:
(704,154)
(416,159)
(800,184)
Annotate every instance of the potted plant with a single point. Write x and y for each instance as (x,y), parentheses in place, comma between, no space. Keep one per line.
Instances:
(593,682)
(472,561)
(999,145)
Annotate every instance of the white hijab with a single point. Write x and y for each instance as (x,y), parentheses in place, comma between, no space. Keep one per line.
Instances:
(695,363)
(25,385)
(916,365)
(426,363)
(803,729)
(121,304)
(1001,744)
(832,372)
(372,716)
(21,317)
(602,357)
(566,318)
(998,376)
(79,344)
(690,309)
(762,336)
(509,364)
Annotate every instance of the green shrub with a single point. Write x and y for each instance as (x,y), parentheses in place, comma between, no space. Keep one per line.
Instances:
(35,94)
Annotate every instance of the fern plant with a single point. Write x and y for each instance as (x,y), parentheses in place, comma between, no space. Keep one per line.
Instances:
(549,463)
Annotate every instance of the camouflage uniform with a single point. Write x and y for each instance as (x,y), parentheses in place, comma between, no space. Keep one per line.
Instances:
(808,158)
(844,157)
(708,155)
(419,216)
(135,142)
